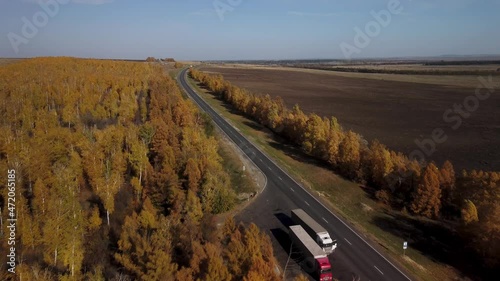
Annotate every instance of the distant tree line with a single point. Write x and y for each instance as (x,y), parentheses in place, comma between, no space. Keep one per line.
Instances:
(463,62)
(424,189)
(116,178)
(153,59)
(369,69)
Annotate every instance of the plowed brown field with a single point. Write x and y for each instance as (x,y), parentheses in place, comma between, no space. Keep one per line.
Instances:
(397,113)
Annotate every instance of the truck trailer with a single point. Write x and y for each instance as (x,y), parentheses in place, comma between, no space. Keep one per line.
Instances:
(315,259)
(315,230)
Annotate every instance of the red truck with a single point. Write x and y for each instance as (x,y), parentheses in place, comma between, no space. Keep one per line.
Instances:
(315,259)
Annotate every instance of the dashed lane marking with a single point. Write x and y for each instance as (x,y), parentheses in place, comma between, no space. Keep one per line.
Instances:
(378,270)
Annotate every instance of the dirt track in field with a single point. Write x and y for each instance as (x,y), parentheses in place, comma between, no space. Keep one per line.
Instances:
(396,113)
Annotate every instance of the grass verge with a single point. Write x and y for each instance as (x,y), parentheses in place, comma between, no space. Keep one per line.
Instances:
(241,181)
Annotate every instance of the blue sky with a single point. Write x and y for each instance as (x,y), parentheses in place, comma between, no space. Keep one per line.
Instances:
(247,29)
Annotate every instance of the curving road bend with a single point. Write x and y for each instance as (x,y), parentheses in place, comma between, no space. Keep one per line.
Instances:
(354,257)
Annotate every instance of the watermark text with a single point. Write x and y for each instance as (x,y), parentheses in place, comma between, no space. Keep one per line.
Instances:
(11,221)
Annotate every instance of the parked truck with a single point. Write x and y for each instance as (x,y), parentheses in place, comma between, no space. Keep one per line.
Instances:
(315,260)
(315,230)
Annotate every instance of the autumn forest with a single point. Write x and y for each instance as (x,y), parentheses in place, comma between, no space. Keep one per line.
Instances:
(116,178)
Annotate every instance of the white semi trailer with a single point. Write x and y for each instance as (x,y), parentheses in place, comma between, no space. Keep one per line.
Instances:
(315,230)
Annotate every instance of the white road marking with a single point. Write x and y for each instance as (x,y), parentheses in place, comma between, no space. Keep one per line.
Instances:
(324,219)
(292,189)
(280,178)
(379,270)
(347,241)
(307,203)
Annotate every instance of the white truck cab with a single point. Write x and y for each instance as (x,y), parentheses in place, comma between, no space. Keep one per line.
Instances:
(326,242)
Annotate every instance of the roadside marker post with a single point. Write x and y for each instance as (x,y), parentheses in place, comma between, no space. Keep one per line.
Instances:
(405,246)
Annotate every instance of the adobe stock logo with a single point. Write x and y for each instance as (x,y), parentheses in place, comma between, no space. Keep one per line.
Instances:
(31,27)
(372,29)
(223,6)
(454,117)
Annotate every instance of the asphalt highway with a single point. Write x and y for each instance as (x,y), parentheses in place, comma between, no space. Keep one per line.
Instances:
(355,257)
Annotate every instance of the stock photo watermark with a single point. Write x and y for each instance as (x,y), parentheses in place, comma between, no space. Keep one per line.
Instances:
(11,221)
(31,26)
(222,7)
(454,116)
(363,37)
